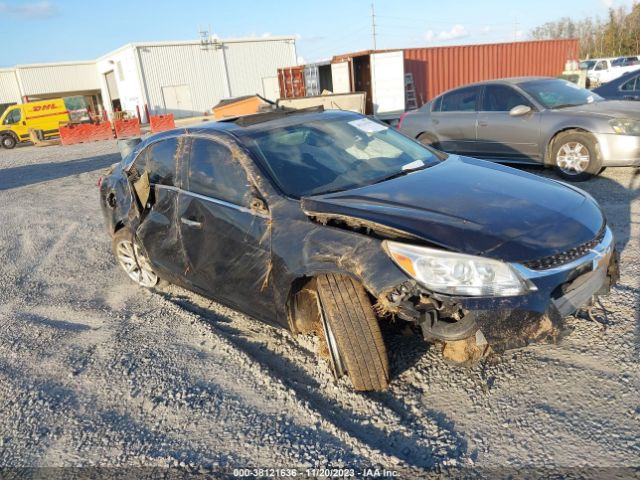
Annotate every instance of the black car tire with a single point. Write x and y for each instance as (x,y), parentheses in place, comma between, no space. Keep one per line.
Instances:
(572,140)
(128,253)
(429,139)
(351,324)
(8,142)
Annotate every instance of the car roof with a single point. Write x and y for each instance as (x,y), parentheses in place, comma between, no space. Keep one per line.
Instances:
(500,81)
(247,124)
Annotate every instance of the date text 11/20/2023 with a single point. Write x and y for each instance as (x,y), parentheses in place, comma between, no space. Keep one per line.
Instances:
(315,472)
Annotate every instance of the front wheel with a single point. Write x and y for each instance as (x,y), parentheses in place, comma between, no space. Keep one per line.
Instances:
(8,142)
(352,333)
(132,259)
(575,156)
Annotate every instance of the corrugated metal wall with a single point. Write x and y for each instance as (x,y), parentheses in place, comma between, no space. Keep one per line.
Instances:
(438,69)
(58,78)
(187,64)
(249,62)
(9,90)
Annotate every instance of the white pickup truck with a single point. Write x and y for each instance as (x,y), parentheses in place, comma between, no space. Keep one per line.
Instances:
(603,70)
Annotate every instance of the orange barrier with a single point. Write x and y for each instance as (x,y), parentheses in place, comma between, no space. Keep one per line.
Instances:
(127,128)
(160,123)
(85,132)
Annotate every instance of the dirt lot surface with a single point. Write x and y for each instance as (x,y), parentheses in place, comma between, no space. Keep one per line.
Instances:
(96,371)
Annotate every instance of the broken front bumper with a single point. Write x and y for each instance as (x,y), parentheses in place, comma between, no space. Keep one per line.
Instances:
(508,322)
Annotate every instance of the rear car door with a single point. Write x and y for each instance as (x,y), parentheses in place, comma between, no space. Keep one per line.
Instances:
(455,122)
(158,231)
(502,136)
(225,229)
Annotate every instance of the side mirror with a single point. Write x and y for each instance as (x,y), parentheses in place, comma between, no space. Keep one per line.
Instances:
(519,110)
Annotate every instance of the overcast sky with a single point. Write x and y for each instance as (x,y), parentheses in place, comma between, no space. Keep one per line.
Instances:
(58,30)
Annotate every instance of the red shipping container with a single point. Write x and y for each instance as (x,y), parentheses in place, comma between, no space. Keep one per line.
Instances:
(438,69)
(291,82)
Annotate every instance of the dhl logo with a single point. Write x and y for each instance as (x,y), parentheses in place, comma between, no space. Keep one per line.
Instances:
(49,106)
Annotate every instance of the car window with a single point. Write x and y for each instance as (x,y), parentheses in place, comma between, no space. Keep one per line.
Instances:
(617,62)
(215,173)
(587,64)
(558,93)
(630,85)
(13,117)
(501,98)
(601,65)
(161,161)
(463,100)
(334,153)
(436,105)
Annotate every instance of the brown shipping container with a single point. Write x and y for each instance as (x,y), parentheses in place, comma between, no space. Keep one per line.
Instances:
(291,81)
(438,69)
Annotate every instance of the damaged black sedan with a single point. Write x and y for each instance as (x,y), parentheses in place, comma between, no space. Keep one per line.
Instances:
(330,222)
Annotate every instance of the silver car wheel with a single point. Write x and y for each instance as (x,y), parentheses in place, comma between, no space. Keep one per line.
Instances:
(135,264)
(573,158)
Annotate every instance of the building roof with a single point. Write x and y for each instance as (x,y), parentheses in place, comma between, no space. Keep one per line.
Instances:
(169,43)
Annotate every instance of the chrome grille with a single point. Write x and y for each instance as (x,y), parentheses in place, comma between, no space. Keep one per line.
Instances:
(567,256)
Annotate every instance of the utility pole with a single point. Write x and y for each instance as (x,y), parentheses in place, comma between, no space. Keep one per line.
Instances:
(373,26)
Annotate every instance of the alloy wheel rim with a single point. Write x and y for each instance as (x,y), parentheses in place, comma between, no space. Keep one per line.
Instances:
(135,264)
(573,158)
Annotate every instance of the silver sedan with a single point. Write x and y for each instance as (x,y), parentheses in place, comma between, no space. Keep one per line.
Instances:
(531,120)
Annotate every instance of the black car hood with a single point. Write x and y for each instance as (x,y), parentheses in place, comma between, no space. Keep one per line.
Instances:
(472,206)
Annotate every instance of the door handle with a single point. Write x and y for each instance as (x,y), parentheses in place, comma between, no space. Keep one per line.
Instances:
(191,223)
(483,124)
(435,122)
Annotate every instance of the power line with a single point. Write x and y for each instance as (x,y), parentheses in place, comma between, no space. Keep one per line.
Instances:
(373,25)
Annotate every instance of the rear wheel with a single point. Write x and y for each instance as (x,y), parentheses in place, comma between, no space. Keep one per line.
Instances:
(575,156)
(8,142)
(132,259)
(352,333)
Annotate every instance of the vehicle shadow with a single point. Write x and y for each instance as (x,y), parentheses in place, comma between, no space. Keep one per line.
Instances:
(409,448)
(24,175)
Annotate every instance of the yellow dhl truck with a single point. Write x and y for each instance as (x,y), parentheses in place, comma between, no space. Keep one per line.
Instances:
(46,116)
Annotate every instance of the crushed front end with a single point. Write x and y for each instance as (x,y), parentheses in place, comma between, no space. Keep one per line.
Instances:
(558,286)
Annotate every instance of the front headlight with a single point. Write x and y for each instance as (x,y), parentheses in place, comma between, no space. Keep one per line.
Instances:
(625,126)
(456,273)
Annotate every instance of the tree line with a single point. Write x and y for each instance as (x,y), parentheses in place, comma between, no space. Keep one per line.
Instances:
(617,35)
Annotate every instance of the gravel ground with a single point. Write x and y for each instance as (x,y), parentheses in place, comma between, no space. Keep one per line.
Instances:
(97,372)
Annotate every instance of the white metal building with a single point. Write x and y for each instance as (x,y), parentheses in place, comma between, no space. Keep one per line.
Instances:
(183,78)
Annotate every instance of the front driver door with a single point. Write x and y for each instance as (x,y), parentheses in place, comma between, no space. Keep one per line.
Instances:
(505,137)
(15,120)
(225,230)
(455,123)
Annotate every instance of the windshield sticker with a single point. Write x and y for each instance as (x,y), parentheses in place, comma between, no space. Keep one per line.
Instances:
(367,125)
(413,165)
